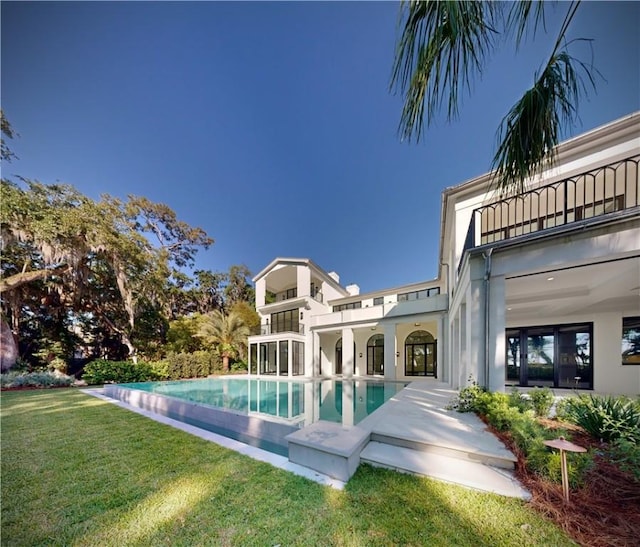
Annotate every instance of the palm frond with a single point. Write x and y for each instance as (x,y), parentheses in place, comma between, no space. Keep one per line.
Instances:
(530,131)
(518,18)
(442,45)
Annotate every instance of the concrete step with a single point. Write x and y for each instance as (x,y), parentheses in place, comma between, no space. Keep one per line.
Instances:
(494,456)
(445,468)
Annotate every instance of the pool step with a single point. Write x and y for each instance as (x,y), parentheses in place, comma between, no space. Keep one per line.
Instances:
(444,467)
(476,454)
(330,448)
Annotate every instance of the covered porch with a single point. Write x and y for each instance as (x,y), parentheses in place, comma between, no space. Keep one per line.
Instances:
(391,349)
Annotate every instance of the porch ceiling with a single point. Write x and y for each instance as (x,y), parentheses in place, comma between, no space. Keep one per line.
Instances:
(611,286)
(282,278)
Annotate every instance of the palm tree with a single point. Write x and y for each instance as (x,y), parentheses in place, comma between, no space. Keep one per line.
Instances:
(443,44)
(227,333)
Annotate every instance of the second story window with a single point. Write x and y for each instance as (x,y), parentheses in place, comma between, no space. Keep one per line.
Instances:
(378,300)
(349,306)
(285,321)
(418,295)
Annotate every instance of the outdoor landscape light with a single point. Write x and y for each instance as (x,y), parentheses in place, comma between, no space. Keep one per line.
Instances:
(564,446)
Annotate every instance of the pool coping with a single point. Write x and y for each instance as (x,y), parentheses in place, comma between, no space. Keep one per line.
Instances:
(281,462)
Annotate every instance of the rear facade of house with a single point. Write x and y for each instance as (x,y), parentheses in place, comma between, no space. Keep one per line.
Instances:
(536,289)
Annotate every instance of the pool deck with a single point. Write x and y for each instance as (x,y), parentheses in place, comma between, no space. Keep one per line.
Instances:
(413,432)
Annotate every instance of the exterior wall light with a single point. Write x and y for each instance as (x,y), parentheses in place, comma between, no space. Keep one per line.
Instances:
(397,354)
(360,355)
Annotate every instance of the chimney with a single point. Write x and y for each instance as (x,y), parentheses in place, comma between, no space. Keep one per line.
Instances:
(334,276)
(353,289)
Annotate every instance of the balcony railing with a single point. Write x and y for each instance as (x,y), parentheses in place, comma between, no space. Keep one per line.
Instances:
(608,189)
(270,329)
(292,295)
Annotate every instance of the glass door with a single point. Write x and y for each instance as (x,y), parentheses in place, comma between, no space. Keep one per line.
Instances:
(539,358)
(514,358)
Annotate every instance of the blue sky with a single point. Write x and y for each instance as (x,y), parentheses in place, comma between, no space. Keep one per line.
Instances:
(271,125)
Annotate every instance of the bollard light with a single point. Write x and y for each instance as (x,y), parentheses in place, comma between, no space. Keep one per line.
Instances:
(564,446)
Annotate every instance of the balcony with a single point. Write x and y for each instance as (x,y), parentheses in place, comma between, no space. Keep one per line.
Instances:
(609,189)
(262,330)
(431,304)
(291,295)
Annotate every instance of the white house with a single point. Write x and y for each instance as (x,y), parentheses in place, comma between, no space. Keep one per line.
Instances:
(537,289)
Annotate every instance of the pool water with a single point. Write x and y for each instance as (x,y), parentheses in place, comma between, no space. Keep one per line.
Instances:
(298,403)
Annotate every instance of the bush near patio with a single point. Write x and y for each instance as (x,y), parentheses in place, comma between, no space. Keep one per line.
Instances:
(516,415)
(604,482)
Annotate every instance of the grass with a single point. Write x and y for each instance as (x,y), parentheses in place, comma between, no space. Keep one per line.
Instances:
(79,471)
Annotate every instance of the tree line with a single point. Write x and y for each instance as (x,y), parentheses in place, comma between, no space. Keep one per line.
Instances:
(108,278)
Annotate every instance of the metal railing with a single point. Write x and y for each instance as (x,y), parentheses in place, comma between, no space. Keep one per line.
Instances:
(607,189)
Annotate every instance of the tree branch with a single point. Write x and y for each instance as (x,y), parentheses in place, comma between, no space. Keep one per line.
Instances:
(17,280)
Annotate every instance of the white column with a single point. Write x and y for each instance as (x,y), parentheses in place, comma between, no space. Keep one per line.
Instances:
(314,369)
(464,351)
(454,355)
(475,332)
(497,344)
(303,280)
(348,358)
(261,287)
(442,338)
(390,360)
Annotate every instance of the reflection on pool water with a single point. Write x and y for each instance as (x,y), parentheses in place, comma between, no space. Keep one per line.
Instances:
(298,403)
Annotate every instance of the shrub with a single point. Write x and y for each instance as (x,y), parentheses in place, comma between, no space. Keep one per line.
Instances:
(626,454)
(604,417)
(541,399)
(514,413)
(467,398)
(35,379)
(239,366)
(198,364)
(102,371)
(518,400)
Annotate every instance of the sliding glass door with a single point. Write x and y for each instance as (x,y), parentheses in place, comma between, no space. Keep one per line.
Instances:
(552,356)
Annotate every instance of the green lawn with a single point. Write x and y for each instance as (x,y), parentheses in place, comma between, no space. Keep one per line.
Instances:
(79,471)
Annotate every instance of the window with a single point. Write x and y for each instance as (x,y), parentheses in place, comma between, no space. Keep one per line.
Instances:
(297,368)
(253,359)
(418,295)
(349,306)
(268,357)
(420,354)
(291,293)
(378,300)
(285,321)
(375,354)
(284,358)
(631,340)
(555,356)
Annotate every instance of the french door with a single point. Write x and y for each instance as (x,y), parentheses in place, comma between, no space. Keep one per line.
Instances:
(552,356)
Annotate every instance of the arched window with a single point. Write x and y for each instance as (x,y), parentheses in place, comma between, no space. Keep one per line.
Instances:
(375,354)
(420,354)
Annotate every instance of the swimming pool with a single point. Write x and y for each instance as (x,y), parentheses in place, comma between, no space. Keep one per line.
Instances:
(258,411)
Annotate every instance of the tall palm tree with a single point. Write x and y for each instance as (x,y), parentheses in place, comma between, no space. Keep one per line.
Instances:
(443,44)
(227,333)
